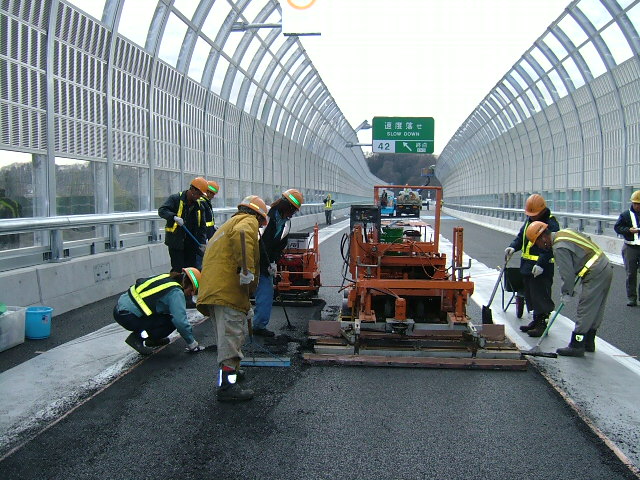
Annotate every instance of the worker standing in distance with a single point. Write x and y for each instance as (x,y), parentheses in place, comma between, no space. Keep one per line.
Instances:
(182,210)
(157,305)
(578,258)
(272,242)
(328,208)
(536,266)
(628,225)
(225,289)
(210,224)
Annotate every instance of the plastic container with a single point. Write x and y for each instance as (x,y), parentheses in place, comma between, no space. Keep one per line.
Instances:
(391,235)
(38,322)
(11,327)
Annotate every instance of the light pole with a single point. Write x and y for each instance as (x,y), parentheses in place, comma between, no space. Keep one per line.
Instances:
(363,126)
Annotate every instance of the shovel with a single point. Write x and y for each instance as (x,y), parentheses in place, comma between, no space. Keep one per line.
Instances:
(487,316)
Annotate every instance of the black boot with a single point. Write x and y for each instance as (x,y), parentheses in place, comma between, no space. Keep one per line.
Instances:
(575,348)
(590,341)
(531,326)
(228,389)
(134,340)
(540,324)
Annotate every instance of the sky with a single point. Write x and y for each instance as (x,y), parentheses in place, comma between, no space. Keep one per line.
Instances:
(422,58)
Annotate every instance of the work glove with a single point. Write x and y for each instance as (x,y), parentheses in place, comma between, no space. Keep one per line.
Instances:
(273,268)
(246,279)
(508,253)
(203,248)
(250,314)
(567,297)
(178,220)
(194,347)
(537,270)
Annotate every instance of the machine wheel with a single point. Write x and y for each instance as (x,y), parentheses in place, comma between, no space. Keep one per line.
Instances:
(519,306)
(345,311)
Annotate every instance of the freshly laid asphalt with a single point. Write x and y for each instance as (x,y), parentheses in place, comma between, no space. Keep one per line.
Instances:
(157,417)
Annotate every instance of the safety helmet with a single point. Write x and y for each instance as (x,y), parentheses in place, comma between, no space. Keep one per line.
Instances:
(256,204)
(534,205)
(213,186)
(194,275)
(201,184)
(635,197)
(294,196)
(534,230)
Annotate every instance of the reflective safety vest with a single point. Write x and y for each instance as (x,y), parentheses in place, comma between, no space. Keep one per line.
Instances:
(328,205)
(173,227)
(146,292)
(634,224)
(586,244)
(526,246)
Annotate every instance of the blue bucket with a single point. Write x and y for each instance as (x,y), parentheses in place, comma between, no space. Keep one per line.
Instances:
(38,323)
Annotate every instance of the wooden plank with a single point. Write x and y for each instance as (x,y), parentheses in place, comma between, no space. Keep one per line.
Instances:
(417,362)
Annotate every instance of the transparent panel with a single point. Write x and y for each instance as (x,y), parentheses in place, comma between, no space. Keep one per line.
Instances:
(218,75)
(288,54)
(515,112)
(262,66)
(215,18)
(634,15)
(16,185)
(534,100)
(128,188)
(595,12)
(526,66)
(524,107)
(186,7)
(172,40)
(273,77)
(165,183)
(232,42)
(199,59)
(593,59)
(135,20)
(75,186)
(250,52)
(545,93)
(250,94)
(554,44)
(252,10)
(574,31)
(92,7)
(235,88)
(519,79)
(277,43)
(557,83)
(509,87)
(574,73)
(618,45)
(541,59)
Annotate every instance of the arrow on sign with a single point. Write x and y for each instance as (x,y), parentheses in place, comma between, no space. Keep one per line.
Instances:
(406,145)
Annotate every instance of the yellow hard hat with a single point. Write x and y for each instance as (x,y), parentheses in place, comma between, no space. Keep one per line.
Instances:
(535,230)
(635,197)
(534,205)
(201,184)
(256,204)
(194,275)
(294,196)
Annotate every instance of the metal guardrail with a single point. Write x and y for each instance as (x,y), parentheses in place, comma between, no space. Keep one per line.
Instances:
(516,214)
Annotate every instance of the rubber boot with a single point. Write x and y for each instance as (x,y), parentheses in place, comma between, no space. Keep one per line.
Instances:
(540,324)
(134,340)
(575,348)
(590,341)
(531,326)
(228,389)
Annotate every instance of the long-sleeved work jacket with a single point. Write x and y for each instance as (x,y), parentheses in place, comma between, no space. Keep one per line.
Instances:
(626,220)
(531,254)
(176,205)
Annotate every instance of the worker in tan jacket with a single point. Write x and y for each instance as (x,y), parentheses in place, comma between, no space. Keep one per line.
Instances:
(225,289)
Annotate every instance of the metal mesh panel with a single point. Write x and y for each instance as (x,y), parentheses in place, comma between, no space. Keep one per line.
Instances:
(193,126)
(268,156)
(277,160)
(231,141)
(258,149)
(246,152)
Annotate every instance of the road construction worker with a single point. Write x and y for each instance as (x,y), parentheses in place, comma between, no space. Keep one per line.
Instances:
(185,217)
(272,242)
(536,266)
(579,260)
(157,305)
(328,208)
(628,225)
(212,189)
(230,270)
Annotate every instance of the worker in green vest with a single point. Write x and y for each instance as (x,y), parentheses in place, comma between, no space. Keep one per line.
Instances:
(328,208)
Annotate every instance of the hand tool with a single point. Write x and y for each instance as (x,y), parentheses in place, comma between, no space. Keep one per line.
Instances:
(487,316)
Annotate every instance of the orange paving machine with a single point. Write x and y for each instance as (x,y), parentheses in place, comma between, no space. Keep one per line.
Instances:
(404,305)
(298,277)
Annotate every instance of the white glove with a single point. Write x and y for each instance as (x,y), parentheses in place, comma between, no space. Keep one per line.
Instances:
(537,270)
(246,279)
(178,220)
(273,269)
(250,314)
(508,252)
(566,298)
(194,347)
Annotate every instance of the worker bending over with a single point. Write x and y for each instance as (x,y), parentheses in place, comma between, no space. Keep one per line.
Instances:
(536,266)
(157,305)
(231,264)
(578,258)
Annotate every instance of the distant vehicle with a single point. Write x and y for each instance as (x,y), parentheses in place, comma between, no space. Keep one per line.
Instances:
(387,203)
(408,203)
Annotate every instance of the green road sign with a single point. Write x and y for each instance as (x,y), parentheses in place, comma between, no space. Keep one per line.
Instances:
(403,134)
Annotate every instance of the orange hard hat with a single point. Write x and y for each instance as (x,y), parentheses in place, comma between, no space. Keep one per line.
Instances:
(194,275)
(534,230)
(534,205)
(201,184)
(294,196)
(256,204)
(213,186)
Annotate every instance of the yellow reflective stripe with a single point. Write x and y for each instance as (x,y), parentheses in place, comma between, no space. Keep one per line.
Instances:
(179,214)
(526,247)
(587,245)
(210,224)
(139,297)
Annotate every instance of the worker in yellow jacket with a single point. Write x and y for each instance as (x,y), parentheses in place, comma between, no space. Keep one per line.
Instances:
(226,286)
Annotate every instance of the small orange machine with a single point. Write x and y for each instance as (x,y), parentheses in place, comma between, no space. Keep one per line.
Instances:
(404,305)
(299,267)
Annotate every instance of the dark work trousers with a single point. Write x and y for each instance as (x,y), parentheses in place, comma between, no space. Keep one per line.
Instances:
(157,325)
(184,258)
(631,258)
(327,216)
(537,292)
